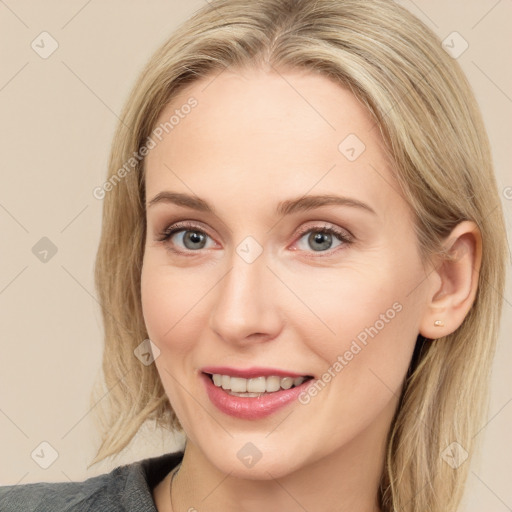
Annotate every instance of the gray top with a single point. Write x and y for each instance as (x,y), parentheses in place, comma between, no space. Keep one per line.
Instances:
(125,488)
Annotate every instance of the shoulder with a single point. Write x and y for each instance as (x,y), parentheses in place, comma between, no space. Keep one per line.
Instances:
(125,488)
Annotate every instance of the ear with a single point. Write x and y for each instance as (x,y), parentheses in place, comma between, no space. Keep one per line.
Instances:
(453,282)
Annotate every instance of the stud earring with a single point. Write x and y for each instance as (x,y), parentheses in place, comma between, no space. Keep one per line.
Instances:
(439,323)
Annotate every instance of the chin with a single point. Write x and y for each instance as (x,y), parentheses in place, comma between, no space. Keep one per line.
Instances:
(244,460)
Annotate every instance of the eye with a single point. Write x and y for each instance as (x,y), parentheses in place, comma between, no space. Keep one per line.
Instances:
(322,238)
(186,235)
(190,238)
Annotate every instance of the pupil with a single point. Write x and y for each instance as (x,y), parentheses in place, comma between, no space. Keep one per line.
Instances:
(317,238)
(194,237)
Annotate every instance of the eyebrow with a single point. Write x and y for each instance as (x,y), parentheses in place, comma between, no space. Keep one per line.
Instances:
(287,207)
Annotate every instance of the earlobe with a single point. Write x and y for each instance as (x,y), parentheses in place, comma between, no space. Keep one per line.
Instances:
(454,282)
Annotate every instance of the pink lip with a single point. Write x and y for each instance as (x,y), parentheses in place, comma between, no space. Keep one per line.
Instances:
(248,373)
(251,408)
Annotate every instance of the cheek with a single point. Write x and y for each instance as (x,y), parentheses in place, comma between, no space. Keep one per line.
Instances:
(171,297)
(371,321)
(364,362)
(171,304)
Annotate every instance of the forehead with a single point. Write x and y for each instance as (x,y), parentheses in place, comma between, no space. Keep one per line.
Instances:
(268,135)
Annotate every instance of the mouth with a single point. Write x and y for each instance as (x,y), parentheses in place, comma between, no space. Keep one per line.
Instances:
(255,386)
(253,393)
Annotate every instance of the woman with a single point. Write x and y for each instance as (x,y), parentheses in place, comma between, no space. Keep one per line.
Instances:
(303,219)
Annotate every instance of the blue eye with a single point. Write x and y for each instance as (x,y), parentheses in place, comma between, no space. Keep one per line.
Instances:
(321,239)
(190,238)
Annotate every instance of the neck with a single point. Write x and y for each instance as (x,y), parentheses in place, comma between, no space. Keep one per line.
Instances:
(345,480)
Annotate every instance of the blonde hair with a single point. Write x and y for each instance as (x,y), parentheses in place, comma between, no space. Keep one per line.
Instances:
(427,115)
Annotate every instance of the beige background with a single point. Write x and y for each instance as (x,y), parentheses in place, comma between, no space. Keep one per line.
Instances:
(58,118)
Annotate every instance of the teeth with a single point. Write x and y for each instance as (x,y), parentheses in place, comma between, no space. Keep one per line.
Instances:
(287,382)
(256,385)
(272,384)
(238,385)
(298,381)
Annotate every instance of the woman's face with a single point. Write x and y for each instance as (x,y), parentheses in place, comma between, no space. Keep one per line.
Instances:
(250,170)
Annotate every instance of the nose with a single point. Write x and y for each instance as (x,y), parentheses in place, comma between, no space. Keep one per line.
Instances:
(246,308)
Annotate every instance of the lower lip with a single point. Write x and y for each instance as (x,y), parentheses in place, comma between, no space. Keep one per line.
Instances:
(251,408)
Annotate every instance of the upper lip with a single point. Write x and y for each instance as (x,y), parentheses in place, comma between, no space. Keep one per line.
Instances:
(248,373)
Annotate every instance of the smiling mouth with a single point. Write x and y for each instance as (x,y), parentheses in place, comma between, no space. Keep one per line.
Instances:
(255,386)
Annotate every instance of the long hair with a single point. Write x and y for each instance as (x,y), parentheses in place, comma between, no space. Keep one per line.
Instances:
(422,105)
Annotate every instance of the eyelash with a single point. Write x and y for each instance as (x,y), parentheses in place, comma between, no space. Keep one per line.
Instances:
(343,236)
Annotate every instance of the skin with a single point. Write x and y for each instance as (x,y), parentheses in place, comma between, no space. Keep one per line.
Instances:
(257,138)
